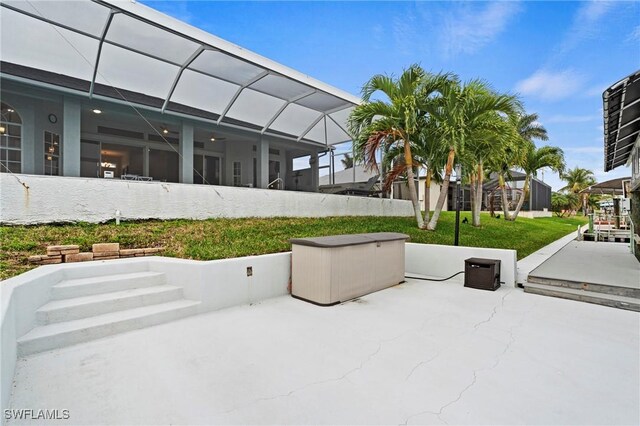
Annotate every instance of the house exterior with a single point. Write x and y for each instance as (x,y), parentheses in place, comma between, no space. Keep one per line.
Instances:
(359,175)
(621,110)
(538,198)
(116,90)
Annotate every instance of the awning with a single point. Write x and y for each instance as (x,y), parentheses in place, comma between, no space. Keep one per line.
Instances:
(621,120)
(613,186)
(122,49)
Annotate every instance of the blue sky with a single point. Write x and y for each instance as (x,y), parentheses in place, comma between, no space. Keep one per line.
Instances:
(559,56)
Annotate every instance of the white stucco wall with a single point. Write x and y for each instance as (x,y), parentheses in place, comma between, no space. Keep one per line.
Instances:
(440,261)
(51,199)
(535,214)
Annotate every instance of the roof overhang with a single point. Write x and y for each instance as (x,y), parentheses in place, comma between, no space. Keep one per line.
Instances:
(613,187)
(621,120)
(123,49)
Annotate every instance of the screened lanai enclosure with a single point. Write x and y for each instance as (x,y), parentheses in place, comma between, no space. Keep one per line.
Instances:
(118,90)
(538,198)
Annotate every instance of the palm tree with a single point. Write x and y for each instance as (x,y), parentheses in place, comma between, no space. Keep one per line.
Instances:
(534,160)
(527,129)
(382,124)
(578,179)
(494,143)
(428,154)
(347,161)
(462,111)
(432,156)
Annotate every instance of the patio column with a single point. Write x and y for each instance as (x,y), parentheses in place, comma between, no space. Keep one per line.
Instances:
(71,137)
(186,154)
(262,157)
(315,171)
(32,148)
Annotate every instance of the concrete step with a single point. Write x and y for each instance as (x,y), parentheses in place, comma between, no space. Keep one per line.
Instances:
(105,284)
(98,304)
(595,288)
(612,300)
(61,334)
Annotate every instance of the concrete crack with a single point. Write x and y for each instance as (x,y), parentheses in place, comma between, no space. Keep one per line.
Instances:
(495,310)
(421,363)
(475,372)
(308,385)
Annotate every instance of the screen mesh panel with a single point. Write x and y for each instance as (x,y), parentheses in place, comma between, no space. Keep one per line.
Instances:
(144,51)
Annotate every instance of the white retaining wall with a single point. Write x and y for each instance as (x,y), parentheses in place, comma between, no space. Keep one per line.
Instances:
(51,199)
(217,284)
(437,261)
(535,214)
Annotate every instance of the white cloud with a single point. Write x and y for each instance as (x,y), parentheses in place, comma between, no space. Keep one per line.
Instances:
(592,11)
(551,86)
(561,118)
(467,28)
(635,34)
(585,24)
(596,90)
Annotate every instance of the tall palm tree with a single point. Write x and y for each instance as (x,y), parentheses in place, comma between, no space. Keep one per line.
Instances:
(527,129)
(534,160)
(428,154)
(578,179)
(462,111)
(494,142)
(395,121)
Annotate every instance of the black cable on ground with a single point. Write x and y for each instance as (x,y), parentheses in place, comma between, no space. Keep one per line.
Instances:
(435,279)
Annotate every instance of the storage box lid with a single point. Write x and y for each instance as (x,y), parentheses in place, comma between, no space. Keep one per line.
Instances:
(349,240)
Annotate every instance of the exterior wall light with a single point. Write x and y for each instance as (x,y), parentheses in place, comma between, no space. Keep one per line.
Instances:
(97,111)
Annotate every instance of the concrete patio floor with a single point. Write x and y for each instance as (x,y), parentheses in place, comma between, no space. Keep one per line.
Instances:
(419,353)
(593,262)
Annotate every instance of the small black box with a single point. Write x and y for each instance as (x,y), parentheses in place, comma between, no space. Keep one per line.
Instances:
(483,274)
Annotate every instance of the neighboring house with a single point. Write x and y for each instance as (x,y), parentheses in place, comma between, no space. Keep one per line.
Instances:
(400,190)
(107,89)
(537,204)
(347,176)
(621,111)
(538,198)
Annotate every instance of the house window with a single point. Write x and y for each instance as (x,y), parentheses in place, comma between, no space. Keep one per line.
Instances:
(51,154)
(10,140)
(237,173)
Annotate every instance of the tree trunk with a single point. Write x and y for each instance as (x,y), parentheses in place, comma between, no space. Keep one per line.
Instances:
(408,158)
(477,207)
(473,188)
(525,190)
(427,196)
(503,191)
(443,191)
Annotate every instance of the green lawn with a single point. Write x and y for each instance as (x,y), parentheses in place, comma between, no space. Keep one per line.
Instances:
(223,238)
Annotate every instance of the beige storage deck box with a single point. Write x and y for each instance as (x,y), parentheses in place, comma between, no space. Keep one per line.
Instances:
(330,270)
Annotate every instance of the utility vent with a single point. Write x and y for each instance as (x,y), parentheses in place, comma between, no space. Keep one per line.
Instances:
(273,151)
(120,132)
(157,138)
(198,144)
